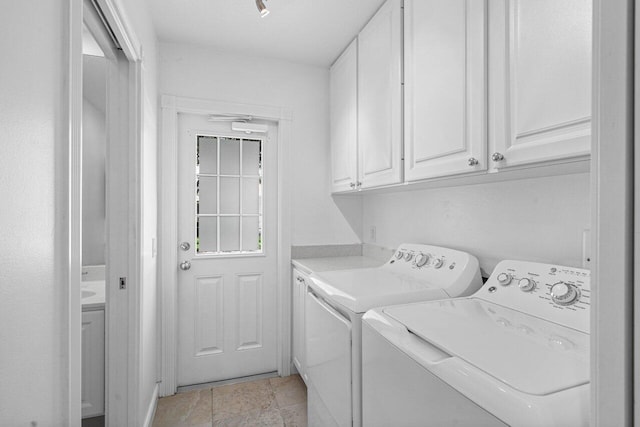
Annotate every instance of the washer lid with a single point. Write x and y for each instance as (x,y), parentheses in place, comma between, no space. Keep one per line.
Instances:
(365,288)
(529,354)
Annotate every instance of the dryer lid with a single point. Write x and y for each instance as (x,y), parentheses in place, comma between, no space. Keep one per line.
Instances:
(529,354)
(363,289)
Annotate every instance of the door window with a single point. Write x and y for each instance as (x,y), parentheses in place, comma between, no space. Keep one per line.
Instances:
(229,205)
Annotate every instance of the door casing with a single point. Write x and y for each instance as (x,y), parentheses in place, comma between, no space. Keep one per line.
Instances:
(171,106)
(123,308)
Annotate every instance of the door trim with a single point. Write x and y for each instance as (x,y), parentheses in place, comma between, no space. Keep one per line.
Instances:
(171,106)
(125,310)
(612,215)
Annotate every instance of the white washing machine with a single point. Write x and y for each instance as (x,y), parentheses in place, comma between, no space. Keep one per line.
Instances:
(515,353)
(335,303)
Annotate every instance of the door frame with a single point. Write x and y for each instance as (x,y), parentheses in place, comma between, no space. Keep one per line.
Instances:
(122,313)
(171,106)
(612,215)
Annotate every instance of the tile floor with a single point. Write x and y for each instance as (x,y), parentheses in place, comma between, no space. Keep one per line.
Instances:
(265,402)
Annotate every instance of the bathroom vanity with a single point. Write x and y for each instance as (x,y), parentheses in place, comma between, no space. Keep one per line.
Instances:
(93,300)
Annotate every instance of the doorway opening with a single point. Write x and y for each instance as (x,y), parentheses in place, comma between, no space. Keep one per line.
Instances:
(249,244)
(104,206)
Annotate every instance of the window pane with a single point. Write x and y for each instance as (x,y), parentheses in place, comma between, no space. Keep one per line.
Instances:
(229,156)
(207,195)
(250,195)
(229,195)
(207,234)
(229,234)
(207,154)
(250,157)
(251,236)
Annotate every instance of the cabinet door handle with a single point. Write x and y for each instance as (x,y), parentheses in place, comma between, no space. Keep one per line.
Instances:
(497,157)
(473,161)
(352,185)
(358,184)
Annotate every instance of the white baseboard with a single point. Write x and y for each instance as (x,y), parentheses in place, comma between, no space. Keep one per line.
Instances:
(148,420)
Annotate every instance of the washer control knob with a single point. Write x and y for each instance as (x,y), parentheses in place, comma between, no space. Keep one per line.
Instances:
(408,256)
(437,263)
(421,260)
(504,279)
(526,285)
(399,255)
(564,293)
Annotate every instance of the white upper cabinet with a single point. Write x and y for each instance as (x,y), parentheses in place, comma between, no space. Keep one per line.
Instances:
(380,97)
(445,90)
(343,98)
(540,81)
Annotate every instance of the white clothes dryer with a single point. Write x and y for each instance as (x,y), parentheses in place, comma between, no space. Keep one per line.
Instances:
(515,353)
(335,303)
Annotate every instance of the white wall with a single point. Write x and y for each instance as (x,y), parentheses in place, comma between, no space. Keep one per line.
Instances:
(32,355)
(93,161)
(538,219)
(199,72)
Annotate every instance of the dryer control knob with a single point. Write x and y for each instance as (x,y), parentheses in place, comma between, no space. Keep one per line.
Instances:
(526,285)
(408,256)
(399,254)
(437,263)
(564,293)
(421,260)
(504,279)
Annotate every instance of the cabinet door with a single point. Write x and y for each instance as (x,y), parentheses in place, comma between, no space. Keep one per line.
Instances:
(445,61)
(380,97)
(343,104)
(540,80)
(298,295)
(92,363)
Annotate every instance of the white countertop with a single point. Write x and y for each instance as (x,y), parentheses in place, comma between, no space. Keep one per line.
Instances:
(316,265)
(93,294)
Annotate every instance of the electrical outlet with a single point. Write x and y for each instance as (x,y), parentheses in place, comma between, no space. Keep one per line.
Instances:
(586,249)
(372,234)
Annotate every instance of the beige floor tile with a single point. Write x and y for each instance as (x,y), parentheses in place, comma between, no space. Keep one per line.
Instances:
(289,390)
(238,400)
(257,417)
(295,415)
(192,409)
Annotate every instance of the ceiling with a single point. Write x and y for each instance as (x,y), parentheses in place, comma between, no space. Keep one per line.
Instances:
(303,31)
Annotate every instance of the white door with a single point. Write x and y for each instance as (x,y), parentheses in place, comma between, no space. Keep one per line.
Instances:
(227,196)
(343,108)
(539,81)
(328,353)
(380,97)
(299,291)
(445,102)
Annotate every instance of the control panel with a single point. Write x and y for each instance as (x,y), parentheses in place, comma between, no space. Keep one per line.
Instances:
(552,292)
(438,265)
(424,256)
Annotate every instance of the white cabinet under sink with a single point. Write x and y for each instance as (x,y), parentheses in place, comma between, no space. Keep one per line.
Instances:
(445,90)
(92,363)
(540,81)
